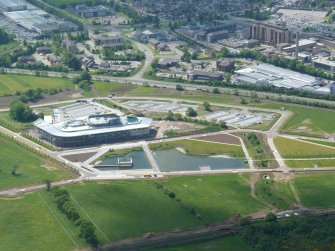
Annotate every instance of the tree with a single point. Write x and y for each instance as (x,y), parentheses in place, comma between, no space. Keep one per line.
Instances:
(169,116)
(20,112)
(216,91)
(191,112)
(179,87)
(48,184)
(207,106)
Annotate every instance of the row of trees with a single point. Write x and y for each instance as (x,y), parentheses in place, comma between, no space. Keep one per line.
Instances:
(64,203)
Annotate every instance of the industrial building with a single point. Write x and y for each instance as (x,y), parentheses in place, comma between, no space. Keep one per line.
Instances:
(265,74)
(196,75)
(13,5)
(324,64)
(272,34)
(84,124)
(39,21)
(304,44)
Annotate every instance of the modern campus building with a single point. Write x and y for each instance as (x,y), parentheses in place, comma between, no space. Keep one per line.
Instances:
(270,33)
(66,129)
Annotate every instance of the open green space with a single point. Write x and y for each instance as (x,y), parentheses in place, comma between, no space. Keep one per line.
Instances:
(320,142)
(291,148)
(10,84)
(13,125)
(215,198)
(105,88)
(275,192)
(310,163)
(20,166)
(117,152)
(307,121)
(228,243)
(123,209)
(32,223)
(201,148)
(316,190)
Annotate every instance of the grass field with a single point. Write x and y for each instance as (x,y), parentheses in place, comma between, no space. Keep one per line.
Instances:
(201,148)
(310,163)
(215,198)
(31,169)
(10,84)
(26,223)
(229,243)
(123,209)
(316,190)
(129,208)
(320,142)
(290,148)
(276,192)
(8,122)
(104,88)
(307,121)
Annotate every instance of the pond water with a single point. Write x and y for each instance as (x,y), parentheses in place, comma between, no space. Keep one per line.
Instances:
(174,160)
(140,161)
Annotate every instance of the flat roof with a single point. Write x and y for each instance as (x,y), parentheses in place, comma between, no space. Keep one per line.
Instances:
(58,129)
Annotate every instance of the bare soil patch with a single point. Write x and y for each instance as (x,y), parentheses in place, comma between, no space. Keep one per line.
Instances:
(81,157)
(221,138)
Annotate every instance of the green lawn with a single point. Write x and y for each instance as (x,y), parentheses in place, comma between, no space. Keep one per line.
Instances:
(229,243)
(291,148)
(320,142)
(316,190)
(31,168)
(8,122)
(10,84)
(309,121)
(276,192)
(125,209)
(104,88)
(26,223)
(311,163)
(201,148)
(215,198)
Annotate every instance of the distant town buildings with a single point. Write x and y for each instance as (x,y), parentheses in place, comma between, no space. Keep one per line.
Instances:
(272,34)
(225,64)
(88,11)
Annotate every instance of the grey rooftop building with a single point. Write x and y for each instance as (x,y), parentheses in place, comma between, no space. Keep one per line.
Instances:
(68,130)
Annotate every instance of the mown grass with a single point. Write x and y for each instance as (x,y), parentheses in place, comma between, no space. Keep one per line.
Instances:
(320,142)
(316,190)
(201,148)
(215,198)
(310,163)
(228,243)
(124,209)
(291,148)
(275,192)
(8,122)
(26,223)
(10,84)
(105,88)
(30,168)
